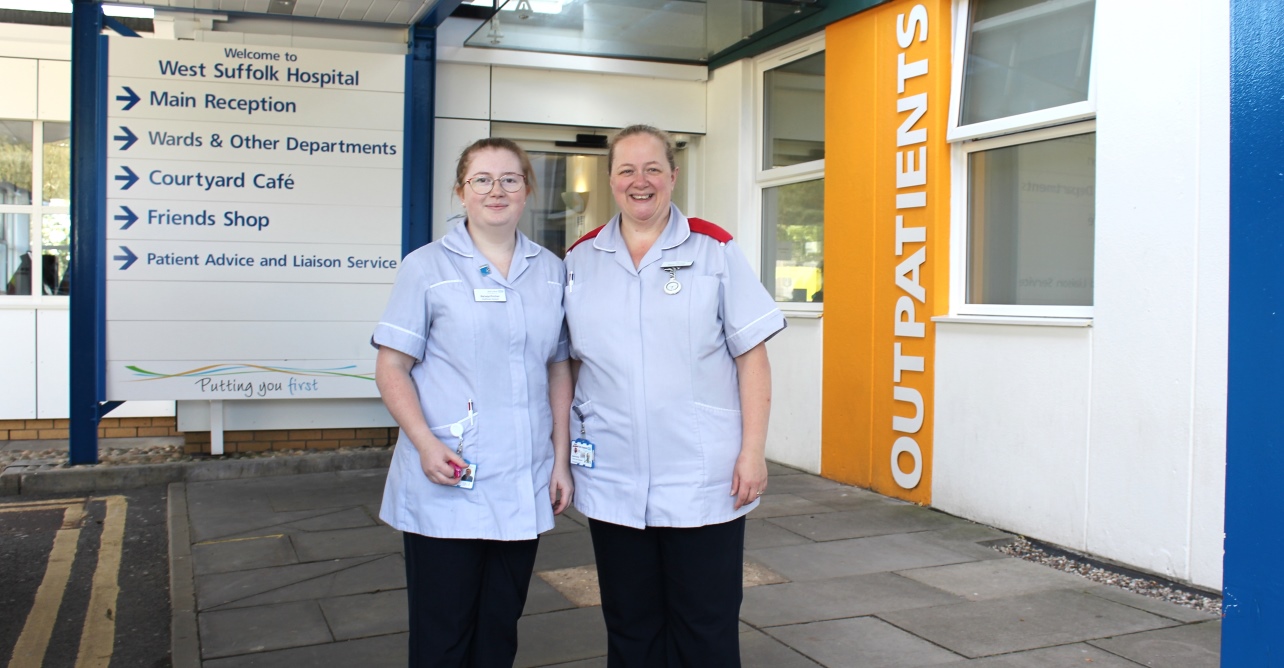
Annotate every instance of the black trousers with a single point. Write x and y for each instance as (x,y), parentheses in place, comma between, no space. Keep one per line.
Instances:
(465,598)
(671,597)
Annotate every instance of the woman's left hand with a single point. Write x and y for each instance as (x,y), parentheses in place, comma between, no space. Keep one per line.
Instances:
(561,488)
(749,480)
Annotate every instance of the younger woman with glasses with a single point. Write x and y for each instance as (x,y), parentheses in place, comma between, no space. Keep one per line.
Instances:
(472,365)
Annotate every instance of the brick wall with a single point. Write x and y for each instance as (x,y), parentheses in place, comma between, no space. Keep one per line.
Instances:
(30,430)
(199,441)
(292,439)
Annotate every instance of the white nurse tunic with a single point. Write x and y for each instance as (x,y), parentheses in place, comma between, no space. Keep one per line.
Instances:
(469,346)
(657,385)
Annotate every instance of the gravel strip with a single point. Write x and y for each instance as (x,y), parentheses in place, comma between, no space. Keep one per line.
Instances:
(149,454)
(1154,588)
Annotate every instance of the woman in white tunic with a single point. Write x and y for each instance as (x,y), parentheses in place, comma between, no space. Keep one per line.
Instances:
(472,365)
(668,326)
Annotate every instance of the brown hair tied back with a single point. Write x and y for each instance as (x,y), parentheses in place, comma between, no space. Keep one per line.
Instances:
(499,143)
(641,129)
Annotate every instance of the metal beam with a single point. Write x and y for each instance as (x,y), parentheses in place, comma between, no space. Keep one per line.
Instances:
(417,133)
(1253,583)
(88,227)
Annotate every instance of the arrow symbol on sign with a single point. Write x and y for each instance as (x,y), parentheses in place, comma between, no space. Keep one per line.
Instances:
(129,177)
(129,138)
(129,258)
(131,97)
(128,217)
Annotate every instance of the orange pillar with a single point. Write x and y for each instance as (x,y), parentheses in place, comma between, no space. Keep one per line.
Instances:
(887,198)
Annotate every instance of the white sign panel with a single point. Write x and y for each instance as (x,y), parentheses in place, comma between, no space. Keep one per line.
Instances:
(253,218)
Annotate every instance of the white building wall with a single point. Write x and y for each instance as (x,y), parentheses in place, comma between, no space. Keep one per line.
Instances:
(1112,440)
(793,433)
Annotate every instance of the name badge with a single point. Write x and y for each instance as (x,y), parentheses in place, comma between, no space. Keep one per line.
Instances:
(583,453)
(489,295)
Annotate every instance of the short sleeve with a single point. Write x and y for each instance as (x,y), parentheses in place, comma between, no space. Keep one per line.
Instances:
(404,324)
(749,314)
(563,351)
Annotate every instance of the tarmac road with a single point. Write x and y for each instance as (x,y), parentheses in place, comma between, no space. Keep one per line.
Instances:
(84,580)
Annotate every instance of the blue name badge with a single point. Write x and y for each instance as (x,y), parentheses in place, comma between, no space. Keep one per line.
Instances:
(582,453)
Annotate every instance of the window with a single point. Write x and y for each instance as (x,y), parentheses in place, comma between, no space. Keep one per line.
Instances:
(791,176)
(1025,159)
(34,227)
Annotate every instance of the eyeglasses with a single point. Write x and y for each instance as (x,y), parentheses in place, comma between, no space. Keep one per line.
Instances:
(511,183)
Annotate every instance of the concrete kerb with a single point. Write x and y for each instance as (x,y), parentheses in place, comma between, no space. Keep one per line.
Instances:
(185,644)
(104,478)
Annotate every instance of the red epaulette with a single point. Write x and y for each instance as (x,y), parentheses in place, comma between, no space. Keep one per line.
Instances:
(702,226)
(592,233)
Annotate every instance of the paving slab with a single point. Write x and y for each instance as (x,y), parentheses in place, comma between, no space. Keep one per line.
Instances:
(382,573)
(239,554)
(798,483)
(996,578)
(564,550)
(1062,656)
(342,518)
(874,520)
(1002,626)
(780,505)
(1156,606)
(366,615)
(560,637)
(857,556)
(219,589)
(836,598)
(381,652)
(761,533)
(262,628)
(845,497)
(543,597)
(339,543)
(862,642)
(1187,646)
(759,650)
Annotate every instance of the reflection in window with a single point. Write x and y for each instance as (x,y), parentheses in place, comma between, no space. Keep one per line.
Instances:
(15,253)
(57,164)
(794,241)
(55,245)
(1031,223)
(572,196)
(15,162)
(794,112)
(1025,55)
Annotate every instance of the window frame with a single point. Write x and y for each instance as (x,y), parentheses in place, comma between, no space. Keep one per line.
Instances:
(1052,123)
(35,212)
(764,179)
(1066,113)
(959,256)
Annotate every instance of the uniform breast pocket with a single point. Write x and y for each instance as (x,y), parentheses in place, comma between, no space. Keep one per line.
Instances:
(705,314)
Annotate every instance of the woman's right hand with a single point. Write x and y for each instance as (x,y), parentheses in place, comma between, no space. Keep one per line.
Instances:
(439,463)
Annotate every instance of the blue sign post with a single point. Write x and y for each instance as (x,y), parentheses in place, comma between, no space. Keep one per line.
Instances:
(1253,578)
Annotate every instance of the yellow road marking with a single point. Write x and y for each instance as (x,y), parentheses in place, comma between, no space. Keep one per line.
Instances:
(50,504)
(98,636)
(237,540)
(29,651)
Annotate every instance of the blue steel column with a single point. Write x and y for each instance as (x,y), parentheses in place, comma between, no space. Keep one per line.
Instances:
(88,227)
(417,172)
(1253,574)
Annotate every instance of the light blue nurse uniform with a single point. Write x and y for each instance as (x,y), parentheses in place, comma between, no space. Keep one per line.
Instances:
(493,353)
(657,385)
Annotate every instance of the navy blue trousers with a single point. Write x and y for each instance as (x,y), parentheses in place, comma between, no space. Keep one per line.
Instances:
(465,598)
(671,597)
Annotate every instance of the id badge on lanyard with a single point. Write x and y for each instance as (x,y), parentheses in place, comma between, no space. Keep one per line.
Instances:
(466,474)
(582,450)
